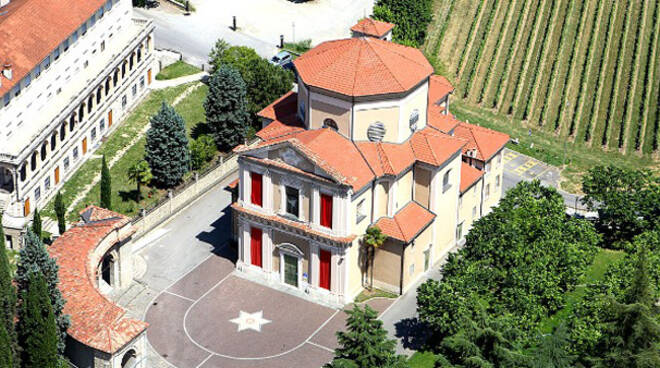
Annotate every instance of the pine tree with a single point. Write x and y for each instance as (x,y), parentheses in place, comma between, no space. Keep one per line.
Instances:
(60,212)
(33,258)
(7,300)
(631,337)
(166,149)
(365,342)
(36,223)
(106,185)
(6,352)
(225,106)
(552,351)
(37,329)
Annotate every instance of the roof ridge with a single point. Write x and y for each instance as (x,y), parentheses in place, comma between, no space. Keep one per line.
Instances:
(385,64)
(355,74)
(381,152)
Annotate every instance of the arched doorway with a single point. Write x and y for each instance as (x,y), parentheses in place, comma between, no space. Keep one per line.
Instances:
(129,359)
(108,270)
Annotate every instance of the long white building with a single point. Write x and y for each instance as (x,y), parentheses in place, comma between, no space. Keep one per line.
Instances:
(71,70)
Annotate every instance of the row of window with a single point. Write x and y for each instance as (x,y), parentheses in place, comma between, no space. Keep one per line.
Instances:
(59,50)
(292,200)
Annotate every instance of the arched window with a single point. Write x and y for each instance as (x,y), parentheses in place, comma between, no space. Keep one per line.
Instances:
(107,269)
(329,123)
(131,61)
(44,147)
(139,54)
(90,103)
(107,86)
(33,161)
(414,118)
(98,95)
(445,181)
(63,131)
(129,359)
(53,141)
(23,172)
(123,69)
(115,78)
(72,122)
(81,112)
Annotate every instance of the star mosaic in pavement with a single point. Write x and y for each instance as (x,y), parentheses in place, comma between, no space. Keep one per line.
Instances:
(250,321)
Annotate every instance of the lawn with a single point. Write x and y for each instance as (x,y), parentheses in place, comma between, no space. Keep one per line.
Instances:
(546,147)
(190,108)
(603,259)
(422,359)
(375,293)
(176,70)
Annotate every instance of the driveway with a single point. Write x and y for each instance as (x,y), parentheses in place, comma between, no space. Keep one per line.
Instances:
(260,23)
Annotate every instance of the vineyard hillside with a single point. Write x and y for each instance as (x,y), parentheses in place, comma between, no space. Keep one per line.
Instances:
(587,71)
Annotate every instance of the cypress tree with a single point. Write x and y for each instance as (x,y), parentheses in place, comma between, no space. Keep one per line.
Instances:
(6,353)
(225,106)
(106,185)
(166,149)
(36,223)
(7,299)
(37,330)
(60,212)
(365,342)
(33,258)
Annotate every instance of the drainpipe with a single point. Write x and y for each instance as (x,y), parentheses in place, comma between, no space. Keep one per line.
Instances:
(403,256)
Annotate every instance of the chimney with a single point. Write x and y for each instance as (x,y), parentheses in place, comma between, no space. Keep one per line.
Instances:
(7,70)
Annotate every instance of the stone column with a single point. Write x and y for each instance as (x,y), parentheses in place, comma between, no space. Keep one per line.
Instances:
(244,243)
(267,192)
(267,255)
(314,205)
(335,278)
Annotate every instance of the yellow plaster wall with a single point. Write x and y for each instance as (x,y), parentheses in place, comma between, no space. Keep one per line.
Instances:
(389,116)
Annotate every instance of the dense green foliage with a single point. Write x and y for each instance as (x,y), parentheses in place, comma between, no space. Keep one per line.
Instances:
(60,212)
(365,344)
(37,331)
(7,304)
(411,18)
(225,106)
(202,150)
(586,70)
(166,148)
(36,223)
(139,173)
(264,82)
(106,185)
(627,201)
(34,259)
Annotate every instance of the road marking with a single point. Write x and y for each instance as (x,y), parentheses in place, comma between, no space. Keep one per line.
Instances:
(510,156)
(205,360)
(180,296)
(321,346)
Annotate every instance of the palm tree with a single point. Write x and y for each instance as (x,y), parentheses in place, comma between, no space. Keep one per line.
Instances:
(373,238)
(139,173)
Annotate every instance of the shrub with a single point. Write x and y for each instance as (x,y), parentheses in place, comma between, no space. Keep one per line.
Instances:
(202,150)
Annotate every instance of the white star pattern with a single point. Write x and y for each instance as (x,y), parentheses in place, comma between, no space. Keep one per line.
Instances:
(250,321)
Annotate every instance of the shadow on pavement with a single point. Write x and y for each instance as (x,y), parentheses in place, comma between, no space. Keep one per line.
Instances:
(220,237)
(412,332)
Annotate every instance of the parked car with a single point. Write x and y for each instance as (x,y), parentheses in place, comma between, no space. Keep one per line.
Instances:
(282,59)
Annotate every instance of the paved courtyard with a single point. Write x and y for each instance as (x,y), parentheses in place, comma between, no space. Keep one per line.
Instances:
(260,23)
(214,318)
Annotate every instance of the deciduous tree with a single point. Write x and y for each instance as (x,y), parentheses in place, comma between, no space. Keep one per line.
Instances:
(411,18)
(166,149)
(202,150)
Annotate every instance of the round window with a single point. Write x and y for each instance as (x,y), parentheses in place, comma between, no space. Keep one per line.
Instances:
(414,117)
(329,123)
(376,131)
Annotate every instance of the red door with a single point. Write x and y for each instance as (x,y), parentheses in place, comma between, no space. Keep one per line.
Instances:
(255,246)
(326,210)
(324,270)
(256,197)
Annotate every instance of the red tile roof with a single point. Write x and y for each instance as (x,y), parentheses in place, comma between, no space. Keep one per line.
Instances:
(31,29)
(95,321)
(372,27)
(428,146)
(330,151)
(363,67)
(438,120)
(482,141)
(282,112)
(469,176)
(439,87)
(406,224)
(233,184)
(295,224)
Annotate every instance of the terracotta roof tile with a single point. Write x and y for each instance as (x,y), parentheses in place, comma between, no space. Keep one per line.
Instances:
(295,224)
(439,87)
(406,224)
(437,119)
(427,145)
(31,29)
(363,67)
(282,112)
(483,141)
(372,27)
(469,176)
(95,321)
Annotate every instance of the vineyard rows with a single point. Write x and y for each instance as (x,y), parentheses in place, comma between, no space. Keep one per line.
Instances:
(587,70)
